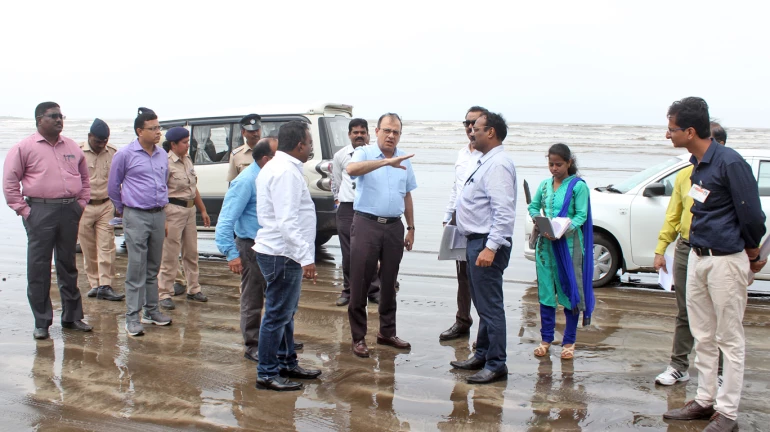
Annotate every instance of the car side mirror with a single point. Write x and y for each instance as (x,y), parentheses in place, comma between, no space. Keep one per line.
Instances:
(655,189)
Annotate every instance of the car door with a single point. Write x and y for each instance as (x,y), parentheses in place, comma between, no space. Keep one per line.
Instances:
(647,216)
(761,169)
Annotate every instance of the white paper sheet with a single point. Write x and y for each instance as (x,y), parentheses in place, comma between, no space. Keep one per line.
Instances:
(764,250)
(452,245)
(666,280)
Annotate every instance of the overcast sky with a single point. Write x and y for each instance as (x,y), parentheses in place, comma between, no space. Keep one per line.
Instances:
(555,61)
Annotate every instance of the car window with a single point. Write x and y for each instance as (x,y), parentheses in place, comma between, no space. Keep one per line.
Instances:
(668,181)
(334,134)
(210,144)
(634,181)
(763,180)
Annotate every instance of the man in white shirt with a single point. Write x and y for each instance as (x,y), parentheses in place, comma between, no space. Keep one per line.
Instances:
(486,212)
(344,192)
(285,247)
(466,159)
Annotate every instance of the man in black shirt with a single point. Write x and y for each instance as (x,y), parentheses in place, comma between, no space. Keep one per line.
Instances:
(727,226)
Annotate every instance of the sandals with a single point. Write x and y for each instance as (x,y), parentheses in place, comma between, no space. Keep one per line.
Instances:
(568,353)
(542,350)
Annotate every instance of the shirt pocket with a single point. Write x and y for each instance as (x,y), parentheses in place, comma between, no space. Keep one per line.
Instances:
(71,164)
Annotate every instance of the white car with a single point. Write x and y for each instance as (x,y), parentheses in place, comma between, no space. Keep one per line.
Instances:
(629,215)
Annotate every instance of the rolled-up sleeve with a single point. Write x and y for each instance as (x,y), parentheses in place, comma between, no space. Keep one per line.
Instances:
(13,172)
(748,208)
(234,203)
(500,184)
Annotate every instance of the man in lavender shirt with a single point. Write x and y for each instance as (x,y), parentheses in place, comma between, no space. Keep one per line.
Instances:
(137,187)
(55,188)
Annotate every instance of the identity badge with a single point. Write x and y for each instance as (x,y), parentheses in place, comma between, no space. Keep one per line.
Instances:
(699,193)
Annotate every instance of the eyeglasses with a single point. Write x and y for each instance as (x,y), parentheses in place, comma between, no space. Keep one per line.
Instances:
(54,116)
(391,131)
(154,128)
(676,129)
(467,123)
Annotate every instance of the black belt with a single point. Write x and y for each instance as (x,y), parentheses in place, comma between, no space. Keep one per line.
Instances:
(98,201)
(685,242)
(709,252)
(52,200)
(149,210)
(245,239)
(378,219)
(474,236)
(346,204)
(181,202)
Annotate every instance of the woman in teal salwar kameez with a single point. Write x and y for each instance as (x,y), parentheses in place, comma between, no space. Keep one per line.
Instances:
(548,201)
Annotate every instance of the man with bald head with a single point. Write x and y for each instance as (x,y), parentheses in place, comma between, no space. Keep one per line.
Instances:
(238,218)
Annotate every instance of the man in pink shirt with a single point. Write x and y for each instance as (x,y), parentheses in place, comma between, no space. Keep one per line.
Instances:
(55,188)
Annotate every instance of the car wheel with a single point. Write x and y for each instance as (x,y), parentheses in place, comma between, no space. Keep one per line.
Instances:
(606,260)
(322,238)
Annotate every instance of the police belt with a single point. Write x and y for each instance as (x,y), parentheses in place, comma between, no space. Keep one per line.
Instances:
(378,219)
(181,203)
(98,201)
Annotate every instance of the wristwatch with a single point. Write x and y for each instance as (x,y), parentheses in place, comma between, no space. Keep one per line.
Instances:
(410,228)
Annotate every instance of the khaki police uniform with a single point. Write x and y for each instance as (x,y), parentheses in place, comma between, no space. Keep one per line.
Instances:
(239,160)
(96,235)
(182,232)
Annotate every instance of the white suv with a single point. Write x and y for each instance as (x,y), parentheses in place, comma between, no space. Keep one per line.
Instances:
(213,137)
(628,216)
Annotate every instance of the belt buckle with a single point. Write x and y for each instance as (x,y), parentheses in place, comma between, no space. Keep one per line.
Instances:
(190,203)
(67,201)
(382,220)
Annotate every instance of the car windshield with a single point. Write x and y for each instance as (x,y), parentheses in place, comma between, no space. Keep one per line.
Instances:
(634,181)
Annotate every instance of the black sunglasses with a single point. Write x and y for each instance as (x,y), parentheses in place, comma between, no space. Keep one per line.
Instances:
(468,123)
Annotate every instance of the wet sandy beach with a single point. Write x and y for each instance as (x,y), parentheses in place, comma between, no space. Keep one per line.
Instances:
(192,374)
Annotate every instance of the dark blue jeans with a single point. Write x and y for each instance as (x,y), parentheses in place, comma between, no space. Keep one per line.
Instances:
(276,335)
(487,294)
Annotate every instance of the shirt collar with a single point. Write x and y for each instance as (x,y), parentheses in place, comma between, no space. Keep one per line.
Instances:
(135,146)
(491,153)
(708,155)
(173,156)
(283,155)
(40,138)
(379,154)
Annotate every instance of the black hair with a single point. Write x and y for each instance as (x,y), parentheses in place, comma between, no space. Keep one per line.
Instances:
(262,148)
(718,133)
(565,153)
(496,122)
(358,122)
(291,134)
(167,146)
(692,112)
(390,114)
(43,107)
(476,108)
(143,115)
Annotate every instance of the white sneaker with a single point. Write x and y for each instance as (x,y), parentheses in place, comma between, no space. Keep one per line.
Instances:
(671,376)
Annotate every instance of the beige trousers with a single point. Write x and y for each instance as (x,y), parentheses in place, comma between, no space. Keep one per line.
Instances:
(97,241)
(716,302)
(182,237)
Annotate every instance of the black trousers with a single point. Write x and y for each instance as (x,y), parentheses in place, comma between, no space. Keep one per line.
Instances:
(370,243)
(463,316)
(52,231)
(253,294)
(344,222)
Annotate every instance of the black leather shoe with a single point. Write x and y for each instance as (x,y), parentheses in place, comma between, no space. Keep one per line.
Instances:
(167,304)
(248,355)
(78,325)
(298,346)
(199,297)
(278,383)
(471,364)
(40,333)
(486,376)
(343,301)
(106,293)
(299,372)
(92,292)
(455,332)
(179,289)
(374,299)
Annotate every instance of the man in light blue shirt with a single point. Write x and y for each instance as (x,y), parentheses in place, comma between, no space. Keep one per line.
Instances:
(384,181)
(238,218)
(486,212)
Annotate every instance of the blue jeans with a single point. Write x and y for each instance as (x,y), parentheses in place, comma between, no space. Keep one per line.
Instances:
(276,335)
(486,285)
(548,324)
